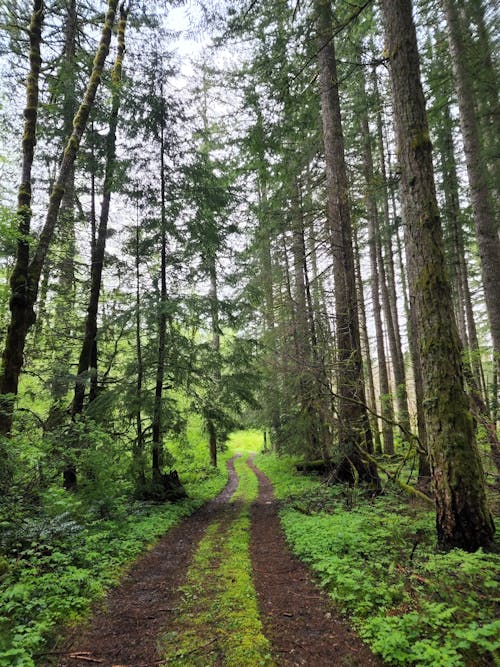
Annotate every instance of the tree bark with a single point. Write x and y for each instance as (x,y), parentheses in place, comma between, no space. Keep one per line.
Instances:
(25,284)
(353,431)
(19,303)
(386,406)
(486,230)
(462,516)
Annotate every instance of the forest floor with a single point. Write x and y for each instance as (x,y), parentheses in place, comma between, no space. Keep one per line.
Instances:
(220,588)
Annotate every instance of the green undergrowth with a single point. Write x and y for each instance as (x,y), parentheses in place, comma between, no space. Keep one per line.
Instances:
(218,619)
(66,555)
(377,559)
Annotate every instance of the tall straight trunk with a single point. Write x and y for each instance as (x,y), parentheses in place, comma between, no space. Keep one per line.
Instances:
(139,443)
(64,310)
(317,386)
(462,516)
(424,470)
(157,435)
(354,431)
(99,248)
(465,317)
(486,231)
(25,284)
(306,395)
(386,406)
(412,326)
(365,343)
(388,283)
(214,308)
(19,304)
(487,89)
(263,232)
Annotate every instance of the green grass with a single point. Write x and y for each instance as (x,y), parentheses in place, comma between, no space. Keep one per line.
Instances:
(246,442)
(427,609)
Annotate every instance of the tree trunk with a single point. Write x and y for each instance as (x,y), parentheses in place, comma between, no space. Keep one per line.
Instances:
(463,519)
(214,307)
(64,311)
(365,342)
(386,406)
(487,88)
(389,296)
(24,283)
(97,257)
(354,432)
(157,445)
(139,444)
(19,304)
(486,231)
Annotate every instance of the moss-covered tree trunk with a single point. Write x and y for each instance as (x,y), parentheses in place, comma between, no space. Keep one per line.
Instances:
(354,431)
(463,519)
(20,299)
(25,283)
(89,344)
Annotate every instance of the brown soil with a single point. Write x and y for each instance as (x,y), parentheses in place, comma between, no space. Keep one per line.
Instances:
(124,632)
(299,620)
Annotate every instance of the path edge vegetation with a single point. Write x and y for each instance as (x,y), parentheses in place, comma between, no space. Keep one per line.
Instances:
(76,557)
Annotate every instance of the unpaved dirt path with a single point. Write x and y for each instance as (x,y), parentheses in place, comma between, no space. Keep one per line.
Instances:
(297,618)
(125,631)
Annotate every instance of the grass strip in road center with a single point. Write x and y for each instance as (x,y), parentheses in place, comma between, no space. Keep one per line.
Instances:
(218,620)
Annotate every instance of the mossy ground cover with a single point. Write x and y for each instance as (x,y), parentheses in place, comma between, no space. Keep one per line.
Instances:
(218,619)
(377,559)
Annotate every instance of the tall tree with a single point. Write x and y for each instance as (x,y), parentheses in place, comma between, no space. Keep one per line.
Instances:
(26,276)
(353,432)
(387,410)
(19,304)
(88,355)
(486,230)
(463,519)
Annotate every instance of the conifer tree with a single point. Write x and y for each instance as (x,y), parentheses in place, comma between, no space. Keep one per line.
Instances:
(463,518)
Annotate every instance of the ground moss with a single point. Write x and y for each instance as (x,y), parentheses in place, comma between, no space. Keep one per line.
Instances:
(218,618)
